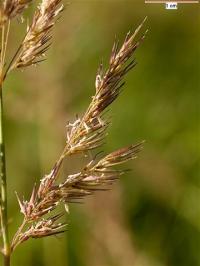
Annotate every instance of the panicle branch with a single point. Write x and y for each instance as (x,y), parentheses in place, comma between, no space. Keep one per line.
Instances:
(76,186)
(38,35)
(11,9)
(39,229)
(88,132)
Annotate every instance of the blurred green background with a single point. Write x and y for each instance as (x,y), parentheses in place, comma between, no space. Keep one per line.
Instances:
(152,216)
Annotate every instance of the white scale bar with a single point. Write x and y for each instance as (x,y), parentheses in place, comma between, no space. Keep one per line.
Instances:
(178,2)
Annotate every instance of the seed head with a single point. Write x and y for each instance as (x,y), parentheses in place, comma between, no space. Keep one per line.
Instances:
(11,9)
(84,134)
(39,34)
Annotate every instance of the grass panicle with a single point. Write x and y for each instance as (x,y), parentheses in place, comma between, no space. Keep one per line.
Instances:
(84,134)
(87,133)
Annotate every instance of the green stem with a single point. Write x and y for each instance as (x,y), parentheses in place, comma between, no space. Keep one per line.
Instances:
(4,219)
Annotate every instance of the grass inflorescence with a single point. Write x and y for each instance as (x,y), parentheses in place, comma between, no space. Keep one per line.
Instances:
(41,213)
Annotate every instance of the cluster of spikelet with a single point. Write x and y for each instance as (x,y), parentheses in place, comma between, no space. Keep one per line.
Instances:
(86,133)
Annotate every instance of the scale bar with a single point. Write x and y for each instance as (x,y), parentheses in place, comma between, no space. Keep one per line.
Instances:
(178,2)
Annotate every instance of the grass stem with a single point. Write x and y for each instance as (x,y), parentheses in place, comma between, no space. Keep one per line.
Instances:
(4,219)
